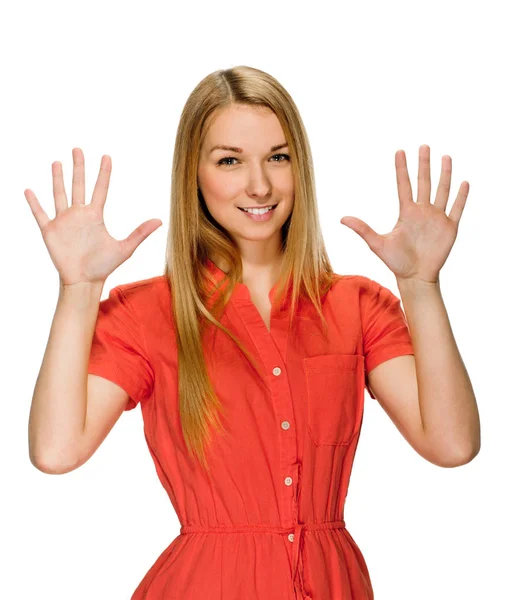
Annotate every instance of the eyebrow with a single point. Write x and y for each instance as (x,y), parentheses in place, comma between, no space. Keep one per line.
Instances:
(239,150)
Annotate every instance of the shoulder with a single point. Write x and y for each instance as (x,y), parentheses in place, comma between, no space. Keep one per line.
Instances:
(358,292)
(144,292)
(360,285)
(351,285)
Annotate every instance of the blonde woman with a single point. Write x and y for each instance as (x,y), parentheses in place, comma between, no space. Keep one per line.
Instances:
(249,356)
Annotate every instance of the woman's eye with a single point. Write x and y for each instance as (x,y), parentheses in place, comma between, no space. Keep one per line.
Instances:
(286,157)
(222,160)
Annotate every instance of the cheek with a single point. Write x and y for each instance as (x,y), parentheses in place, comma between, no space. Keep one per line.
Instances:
(288,192)
(218,190)
(286,185)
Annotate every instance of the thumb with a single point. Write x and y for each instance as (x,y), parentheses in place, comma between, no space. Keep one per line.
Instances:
(140,234)
(372,238)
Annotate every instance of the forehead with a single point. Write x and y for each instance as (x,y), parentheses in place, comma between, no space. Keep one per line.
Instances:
(248,127)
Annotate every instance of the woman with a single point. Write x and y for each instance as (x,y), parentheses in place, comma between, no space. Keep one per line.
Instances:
(249,355)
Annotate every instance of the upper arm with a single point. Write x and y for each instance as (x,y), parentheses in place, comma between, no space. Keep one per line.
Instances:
(118,353)
(106,402)
(394,385)
(120,374)
(390,363)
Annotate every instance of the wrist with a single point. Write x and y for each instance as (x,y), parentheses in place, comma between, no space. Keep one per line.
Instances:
(415,285)
(82,288)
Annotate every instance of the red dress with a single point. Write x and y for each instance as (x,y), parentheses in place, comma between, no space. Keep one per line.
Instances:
(268,522)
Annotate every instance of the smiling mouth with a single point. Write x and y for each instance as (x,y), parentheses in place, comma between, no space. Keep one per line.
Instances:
(262,209)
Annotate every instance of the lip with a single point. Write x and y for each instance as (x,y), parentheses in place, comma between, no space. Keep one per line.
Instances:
(260,207)
(266,216)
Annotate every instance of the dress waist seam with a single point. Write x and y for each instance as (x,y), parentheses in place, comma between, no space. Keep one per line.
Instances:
(276,529)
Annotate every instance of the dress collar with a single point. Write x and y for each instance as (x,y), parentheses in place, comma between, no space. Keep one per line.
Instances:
(241,291)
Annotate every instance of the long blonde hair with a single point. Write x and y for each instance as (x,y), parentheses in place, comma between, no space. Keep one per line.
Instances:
(195,236)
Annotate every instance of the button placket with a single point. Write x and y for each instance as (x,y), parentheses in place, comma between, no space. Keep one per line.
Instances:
(271,347)
(288,446)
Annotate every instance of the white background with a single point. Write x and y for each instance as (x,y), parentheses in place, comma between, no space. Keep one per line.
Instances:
(369,79)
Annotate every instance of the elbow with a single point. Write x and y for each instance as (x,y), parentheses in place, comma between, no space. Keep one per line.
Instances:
(471,455)
(51,465)
(460,459)
(50,468)
(471,451)
(47,468)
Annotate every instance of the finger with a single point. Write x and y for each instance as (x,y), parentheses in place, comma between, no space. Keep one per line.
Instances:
(131,242)
(40,216)
(78,177)
(61,202)
(424,174)
(460,202)
(403,183)
(443,188)
(100,190)
(373,239)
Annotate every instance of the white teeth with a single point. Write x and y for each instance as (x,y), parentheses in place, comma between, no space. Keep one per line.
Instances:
(258,211)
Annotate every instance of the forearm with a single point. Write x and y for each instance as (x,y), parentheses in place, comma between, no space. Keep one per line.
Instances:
(58,410)
(448,406)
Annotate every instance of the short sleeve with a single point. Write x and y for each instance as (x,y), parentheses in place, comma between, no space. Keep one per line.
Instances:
(118,350)
(385,329)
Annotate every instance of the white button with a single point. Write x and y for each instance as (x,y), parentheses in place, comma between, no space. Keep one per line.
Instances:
(288,481)
(291,537)
(285,425)
(277,371)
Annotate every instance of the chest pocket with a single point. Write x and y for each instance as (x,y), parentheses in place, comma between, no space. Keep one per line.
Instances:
(335,388)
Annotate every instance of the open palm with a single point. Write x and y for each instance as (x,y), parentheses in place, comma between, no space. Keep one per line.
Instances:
(423,236)
(77,240)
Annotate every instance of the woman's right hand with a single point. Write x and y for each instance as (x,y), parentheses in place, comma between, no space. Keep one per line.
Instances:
(77,240)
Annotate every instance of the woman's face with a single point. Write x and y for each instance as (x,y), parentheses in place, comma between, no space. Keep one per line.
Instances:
(254,175)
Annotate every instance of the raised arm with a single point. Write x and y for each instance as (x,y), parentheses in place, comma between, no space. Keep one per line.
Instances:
(84,254)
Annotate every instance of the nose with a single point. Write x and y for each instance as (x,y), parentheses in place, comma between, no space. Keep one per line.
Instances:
(258,184)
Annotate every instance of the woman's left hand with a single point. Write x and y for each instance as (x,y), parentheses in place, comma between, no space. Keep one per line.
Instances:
(423,236)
